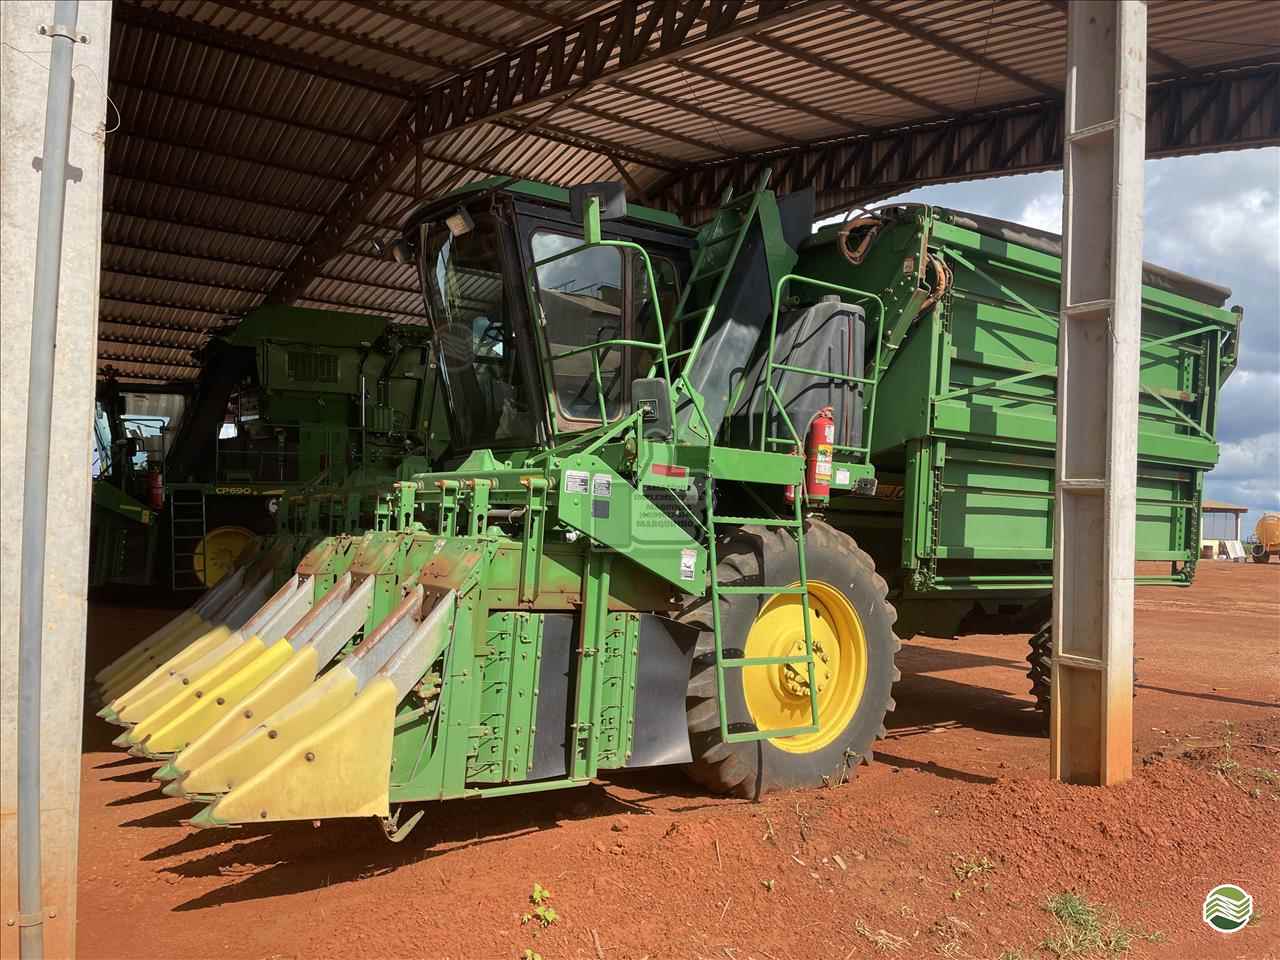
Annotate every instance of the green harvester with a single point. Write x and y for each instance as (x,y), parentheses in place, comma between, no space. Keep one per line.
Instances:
(188,476)
(700,483)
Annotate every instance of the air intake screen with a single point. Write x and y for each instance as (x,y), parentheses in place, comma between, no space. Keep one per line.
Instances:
(313,367)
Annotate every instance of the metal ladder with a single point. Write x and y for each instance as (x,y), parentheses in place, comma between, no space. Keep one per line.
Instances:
(719,244)
(795,526)
(186,531)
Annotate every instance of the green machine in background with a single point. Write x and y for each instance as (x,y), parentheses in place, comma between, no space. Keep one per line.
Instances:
(699,486)
(288,398)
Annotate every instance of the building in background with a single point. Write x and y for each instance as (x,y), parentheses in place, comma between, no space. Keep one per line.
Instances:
(1220,530)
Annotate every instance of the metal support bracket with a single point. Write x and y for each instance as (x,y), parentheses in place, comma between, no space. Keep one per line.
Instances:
(52,30)
(531,551)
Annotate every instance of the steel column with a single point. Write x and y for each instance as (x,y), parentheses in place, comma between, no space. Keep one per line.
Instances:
(1091,730)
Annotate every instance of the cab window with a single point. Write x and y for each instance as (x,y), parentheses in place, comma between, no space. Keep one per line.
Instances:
(582,302)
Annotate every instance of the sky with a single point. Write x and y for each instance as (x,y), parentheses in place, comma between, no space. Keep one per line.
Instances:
(1214,217)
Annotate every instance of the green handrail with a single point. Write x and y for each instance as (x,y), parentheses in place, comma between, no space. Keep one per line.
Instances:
(770,366)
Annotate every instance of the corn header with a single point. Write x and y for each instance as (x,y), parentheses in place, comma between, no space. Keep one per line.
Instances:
(699,485)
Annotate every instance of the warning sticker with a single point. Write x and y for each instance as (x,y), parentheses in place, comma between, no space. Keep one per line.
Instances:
(576,481)
(688,563)
(601,485)
(823,463)
(842,478)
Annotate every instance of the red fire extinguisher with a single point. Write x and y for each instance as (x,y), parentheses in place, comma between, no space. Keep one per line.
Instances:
(818,453)
(155,490)
(818,450)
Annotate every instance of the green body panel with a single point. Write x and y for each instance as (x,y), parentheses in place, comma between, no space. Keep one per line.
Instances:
(968,407)
(125,534)
(596,500)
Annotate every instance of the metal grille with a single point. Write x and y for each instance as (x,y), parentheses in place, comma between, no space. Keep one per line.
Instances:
(313,367)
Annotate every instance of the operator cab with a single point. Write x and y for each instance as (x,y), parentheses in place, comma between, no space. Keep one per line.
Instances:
(516,301)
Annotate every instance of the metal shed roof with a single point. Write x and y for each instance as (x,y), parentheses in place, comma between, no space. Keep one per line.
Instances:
(261,146)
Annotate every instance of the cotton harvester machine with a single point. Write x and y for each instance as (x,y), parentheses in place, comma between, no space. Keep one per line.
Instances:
(640,546)
(288,398)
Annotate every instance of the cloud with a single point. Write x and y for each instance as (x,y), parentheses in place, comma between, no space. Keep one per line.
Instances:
(1248,473)
(1250,407)
(1044,212)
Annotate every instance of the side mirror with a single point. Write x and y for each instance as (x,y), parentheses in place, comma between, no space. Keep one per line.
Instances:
(593,202)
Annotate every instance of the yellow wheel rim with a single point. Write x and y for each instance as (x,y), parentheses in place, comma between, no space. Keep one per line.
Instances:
(778,696)
(215,555)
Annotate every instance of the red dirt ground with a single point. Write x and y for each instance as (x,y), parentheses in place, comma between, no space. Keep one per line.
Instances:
(645,866)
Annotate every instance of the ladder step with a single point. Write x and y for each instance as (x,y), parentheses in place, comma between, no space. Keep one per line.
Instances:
(748,737)
(756,521)
(730,235)
(763,662)
(699,277)
(762,591)
(701,311)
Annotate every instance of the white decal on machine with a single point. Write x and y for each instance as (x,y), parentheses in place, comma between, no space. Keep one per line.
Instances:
(688,562)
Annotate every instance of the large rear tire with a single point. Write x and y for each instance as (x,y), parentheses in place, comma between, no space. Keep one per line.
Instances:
(1040,662)
(850,619)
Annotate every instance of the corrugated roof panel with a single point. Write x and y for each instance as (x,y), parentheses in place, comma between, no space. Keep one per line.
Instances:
(188,238)
(244,123)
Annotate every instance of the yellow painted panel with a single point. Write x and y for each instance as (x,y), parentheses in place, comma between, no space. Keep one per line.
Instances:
(219,701)
(341,769)
(149,660)
(202,678)
(153,663)
(179,624)
(212,640)
(280,688)
(258,748)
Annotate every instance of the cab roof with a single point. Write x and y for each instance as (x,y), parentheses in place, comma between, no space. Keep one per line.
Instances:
(534,190)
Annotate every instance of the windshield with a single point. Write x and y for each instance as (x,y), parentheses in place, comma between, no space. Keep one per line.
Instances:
(466,302)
